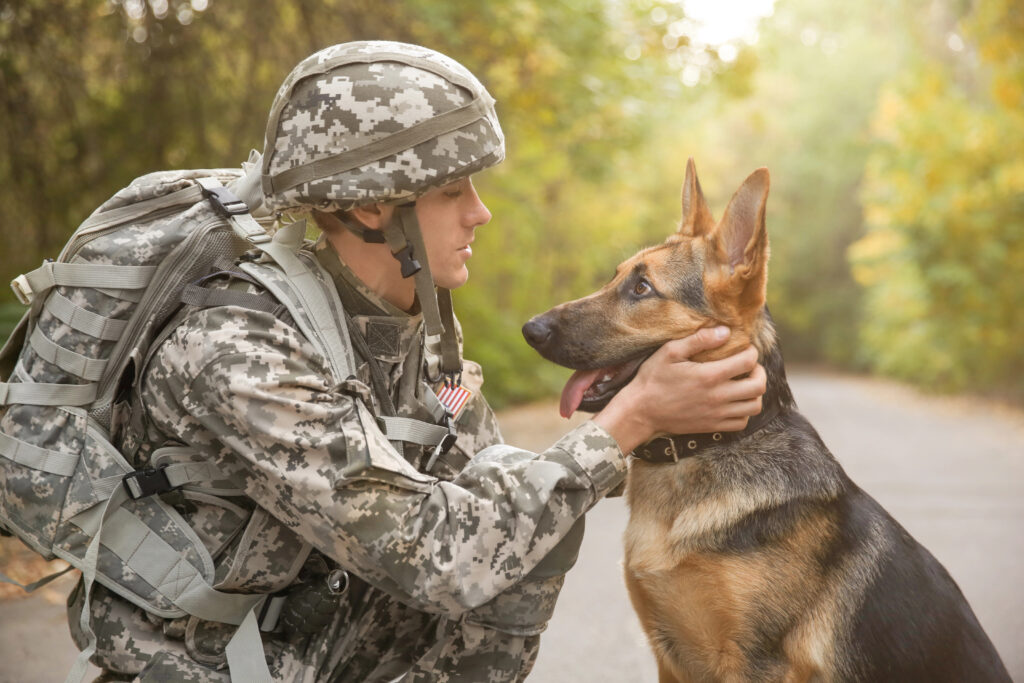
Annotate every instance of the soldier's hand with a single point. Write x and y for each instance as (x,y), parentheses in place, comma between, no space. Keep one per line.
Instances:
(673,395)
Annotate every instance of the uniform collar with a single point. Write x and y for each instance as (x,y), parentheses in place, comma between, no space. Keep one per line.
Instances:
(390,332)
(357,297)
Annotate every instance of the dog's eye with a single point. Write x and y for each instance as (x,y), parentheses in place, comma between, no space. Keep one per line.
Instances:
(643,288)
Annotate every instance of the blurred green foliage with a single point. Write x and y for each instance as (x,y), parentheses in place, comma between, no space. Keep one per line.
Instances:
(942,263)
(602,102)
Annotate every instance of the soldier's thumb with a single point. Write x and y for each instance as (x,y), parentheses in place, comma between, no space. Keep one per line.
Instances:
(708,338)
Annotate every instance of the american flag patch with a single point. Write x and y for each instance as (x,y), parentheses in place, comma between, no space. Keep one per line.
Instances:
(454,397)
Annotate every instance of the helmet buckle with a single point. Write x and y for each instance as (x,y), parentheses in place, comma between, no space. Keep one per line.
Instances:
(410,266)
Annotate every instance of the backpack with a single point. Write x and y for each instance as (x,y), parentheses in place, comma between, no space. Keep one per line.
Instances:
(94,316)
(65,372)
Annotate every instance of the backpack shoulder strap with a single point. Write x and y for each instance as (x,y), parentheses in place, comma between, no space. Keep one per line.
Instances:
(298,282)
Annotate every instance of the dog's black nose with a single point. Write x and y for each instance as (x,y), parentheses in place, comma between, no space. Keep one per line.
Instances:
(537,332)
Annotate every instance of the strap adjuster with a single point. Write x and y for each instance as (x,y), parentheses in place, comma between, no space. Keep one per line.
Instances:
(446,443)
(410,266)
(147,482)
(22,290)
(225,202)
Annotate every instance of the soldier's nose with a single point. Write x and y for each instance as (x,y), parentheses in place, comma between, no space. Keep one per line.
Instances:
(538,332)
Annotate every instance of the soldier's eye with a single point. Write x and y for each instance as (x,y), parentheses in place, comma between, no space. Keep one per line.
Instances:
(453,194)
(643,288)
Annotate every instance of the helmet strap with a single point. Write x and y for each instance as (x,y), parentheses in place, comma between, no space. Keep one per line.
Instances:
(436,303)
(405,240)
(359,230)
(451,359)
(391,234)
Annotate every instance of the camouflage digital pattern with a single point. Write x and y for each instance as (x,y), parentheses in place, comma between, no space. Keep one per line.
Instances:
(458,568)
(349,98)
(42,506)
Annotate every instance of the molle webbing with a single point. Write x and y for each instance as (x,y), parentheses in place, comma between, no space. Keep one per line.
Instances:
(68,491)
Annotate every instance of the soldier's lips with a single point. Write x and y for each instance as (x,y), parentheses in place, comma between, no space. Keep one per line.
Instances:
(593,389)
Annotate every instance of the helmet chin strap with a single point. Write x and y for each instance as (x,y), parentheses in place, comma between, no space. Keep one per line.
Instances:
(404,238)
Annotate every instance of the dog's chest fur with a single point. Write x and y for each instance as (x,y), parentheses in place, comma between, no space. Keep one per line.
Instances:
(714,542)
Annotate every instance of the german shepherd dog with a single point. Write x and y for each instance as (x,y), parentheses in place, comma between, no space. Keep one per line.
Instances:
(752,556)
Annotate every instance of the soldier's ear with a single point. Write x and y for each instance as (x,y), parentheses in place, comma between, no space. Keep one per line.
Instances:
(374,216)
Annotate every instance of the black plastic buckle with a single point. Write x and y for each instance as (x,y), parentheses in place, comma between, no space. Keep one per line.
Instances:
(147,482)
(410,266)
(225,202)
(450,438)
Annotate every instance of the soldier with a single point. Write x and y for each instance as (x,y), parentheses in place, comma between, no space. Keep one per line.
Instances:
(390,557)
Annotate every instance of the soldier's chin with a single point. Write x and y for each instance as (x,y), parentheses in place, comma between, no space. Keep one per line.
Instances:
(452,280)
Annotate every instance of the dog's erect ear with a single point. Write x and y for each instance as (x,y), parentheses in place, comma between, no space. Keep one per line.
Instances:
(740,241)
(697,219)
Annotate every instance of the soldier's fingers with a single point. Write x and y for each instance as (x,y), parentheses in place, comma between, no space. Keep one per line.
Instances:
(738,364)
(750,387)
(680,350)
(742,409)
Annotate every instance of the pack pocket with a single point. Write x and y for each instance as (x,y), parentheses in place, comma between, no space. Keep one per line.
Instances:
(144,542)
(40,449)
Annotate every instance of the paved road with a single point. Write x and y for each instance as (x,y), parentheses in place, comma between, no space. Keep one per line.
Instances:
(950,470)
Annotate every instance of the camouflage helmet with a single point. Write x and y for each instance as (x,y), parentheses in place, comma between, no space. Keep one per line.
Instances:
(375,121)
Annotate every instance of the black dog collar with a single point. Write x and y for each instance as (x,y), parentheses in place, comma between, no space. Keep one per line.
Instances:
(671,449)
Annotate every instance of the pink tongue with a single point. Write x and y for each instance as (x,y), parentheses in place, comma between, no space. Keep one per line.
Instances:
(572,394)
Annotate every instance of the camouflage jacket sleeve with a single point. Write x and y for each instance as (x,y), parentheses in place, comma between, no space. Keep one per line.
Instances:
(253,393)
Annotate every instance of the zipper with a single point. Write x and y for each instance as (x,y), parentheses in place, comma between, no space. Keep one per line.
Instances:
(186,250)
(83,237)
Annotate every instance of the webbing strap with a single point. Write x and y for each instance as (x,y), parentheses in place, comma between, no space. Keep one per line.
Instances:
(37,457)
(202,297)
(88,568)
(82,366)
(413,431)
(41,394)
(377,378)
(84,320)
(193,474)
(50,274)
(246,661)
(178,474)
(451,359)
(447,122)
(425,292)
(29,587)
(248,188)
(132,295)
(407,138)
(312,299)
(102,489)
(234,210)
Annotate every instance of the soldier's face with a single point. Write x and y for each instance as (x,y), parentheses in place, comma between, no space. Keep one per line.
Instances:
(449,217)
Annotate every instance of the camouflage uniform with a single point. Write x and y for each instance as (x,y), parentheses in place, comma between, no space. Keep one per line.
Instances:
(453,571)
(460,567)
